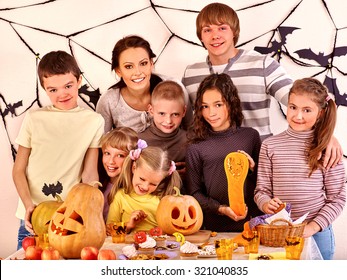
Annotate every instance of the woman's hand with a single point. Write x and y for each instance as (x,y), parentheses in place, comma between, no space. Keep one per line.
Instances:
(272,205)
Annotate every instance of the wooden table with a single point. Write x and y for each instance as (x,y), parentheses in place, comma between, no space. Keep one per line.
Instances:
(310,251)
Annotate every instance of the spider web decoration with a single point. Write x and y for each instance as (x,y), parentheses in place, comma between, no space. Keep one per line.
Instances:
(306,43)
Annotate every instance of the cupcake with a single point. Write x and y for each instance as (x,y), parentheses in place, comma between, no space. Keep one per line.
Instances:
(189,251)
(148,246)
(129,251)
(161,240)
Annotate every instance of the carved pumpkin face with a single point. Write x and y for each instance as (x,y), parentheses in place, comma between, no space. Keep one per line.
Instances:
(43,213)
(78,222)
(179,213)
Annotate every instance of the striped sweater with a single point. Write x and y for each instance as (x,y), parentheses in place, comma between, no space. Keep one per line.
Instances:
(283,173)
(256,76)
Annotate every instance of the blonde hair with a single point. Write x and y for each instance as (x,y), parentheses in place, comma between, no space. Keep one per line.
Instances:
(122,138)
(156,159)
(168,90)
(218,13)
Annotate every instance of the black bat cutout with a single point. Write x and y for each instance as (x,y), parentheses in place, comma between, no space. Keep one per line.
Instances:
(276,47)
(93,95)
(10,108)
(330,83)
(323,60)
(52,189)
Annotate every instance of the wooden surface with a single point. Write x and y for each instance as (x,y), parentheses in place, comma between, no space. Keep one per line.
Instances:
(201,236)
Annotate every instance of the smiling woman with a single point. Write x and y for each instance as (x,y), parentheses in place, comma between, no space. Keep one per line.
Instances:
(126,103)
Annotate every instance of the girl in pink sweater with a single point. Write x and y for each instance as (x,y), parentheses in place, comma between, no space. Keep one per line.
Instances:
(290,165)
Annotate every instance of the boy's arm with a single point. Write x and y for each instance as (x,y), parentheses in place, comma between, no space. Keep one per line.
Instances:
(90,166)
(21,182)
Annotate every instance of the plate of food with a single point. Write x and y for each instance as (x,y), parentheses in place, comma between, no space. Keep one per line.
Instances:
(207,251)
(158,255)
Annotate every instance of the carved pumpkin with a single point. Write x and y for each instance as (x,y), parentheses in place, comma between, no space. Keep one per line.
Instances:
(43,213)
(179,213)
(78,222)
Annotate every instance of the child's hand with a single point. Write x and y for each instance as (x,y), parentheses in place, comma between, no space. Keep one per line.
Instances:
(180,167)
(310,229)
(272,205)
(227,211)
(250,160)
(28,226)
(109,229)
(136,217)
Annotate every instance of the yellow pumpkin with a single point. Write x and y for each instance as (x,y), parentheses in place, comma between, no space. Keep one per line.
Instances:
(43,213)
(179,213)
(78,222)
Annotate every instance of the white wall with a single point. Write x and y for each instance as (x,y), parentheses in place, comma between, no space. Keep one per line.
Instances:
(44,27)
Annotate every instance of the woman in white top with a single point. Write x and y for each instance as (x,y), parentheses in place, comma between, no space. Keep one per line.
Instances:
(126,103)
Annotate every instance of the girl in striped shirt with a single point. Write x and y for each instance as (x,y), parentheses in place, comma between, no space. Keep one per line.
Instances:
(290,165)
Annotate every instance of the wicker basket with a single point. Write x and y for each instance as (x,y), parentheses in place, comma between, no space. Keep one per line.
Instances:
(273,235)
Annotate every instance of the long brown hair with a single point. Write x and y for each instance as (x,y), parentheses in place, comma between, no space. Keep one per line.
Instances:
(222,82)
(325,124)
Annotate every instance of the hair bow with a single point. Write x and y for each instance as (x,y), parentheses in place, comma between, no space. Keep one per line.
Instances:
(135,154)
(172,167)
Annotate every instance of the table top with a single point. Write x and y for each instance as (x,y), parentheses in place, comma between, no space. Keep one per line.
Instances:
(310,251)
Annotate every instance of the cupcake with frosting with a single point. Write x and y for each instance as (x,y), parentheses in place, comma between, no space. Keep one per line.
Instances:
(189,251)
(129,251)
(148,246)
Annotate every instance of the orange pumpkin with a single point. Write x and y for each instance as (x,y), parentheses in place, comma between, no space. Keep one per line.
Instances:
(179,213)
(78,222)
(236,168)
(43,213)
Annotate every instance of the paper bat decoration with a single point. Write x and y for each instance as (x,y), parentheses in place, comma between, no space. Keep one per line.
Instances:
(52,189)
(276,47)
(10,108)
(330,83)
(323,60)
(93,95)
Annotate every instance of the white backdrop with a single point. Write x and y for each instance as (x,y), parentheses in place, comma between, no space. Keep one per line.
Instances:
(89,29)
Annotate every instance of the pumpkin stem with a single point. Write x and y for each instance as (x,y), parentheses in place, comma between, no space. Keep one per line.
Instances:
(57,196)
(177,191)
(95,183)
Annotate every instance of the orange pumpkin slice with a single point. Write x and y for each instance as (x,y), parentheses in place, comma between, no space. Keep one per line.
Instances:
(236,169)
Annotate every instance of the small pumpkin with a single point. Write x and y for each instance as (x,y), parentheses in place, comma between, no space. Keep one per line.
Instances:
(179,213)
(78,222)
(43,213)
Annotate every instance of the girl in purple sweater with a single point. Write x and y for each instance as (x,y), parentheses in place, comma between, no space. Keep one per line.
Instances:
(289,170)
(216,132)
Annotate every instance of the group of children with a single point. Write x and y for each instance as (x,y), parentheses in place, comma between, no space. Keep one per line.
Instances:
(156,133)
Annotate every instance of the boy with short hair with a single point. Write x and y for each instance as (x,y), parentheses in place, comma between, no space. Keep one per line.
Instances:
(167,109)
(58,144)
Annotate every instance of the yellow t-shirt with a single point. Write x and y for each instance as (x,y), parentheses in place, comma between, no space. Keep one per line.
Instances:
(124,204)
(58,141)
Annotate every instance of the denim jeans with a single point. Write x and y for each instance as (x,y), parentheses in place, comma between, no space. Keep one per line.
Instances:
(22,233)
(326,242)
